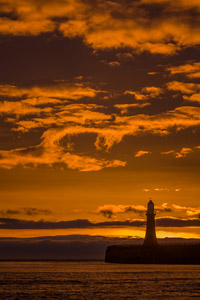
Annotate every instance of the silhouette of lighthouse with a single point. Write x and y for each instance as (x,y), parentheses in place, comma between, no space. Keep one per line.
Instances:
(150,236)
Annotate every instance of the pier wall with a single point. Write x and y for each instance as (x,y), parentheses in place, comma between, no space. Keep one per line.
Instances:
(160,254)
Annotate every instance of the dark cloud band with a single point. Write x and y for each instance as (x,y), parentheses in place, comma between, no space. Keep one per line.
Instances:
(11,223)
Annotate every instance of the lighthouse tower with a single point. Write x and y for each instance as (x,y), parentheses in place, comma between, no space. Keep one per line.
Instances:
(150,237)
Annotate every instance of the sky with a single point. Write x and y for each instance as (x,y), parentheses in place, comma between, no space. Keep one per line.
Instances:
(99,111)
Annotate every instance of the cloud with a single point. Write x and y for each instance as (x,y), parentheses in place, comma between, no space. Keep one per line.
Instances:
(25,26)
(193,89)
(177,222)
(193,98)
(141,153)
(41,154)
(51,151)
(85,164)
(50,103)
(32,211)
(108,131)
(185,88)
(146,93)
(184,4)
(182,153)
(137,95)
(20,108)
(32,17)
(117,25)
(63,115)
(189,70)
(36,101)
(113,63)
(109,210)
(124,108)
(125,56)
(62,90)
(52,108)
(165,205)
(190,211)
(28,211)
(168,152)
(155,26)
(179,118)
(10,212)
(12,223)
(152,91)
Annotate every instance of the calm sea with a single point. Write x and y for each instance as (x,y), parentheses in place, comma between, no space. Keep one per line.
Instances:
(97,280)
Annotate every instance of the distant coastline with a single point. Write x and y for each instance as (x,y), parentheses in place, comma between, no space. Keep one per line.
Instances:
(26,250)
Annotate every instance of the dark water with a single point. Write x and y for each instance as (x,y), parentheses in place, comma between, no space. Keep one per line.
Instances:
(97,280)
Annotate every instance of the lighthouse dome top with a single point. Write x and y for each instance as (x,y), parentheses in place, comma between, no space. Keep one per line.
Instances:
(150,202)
(150,206)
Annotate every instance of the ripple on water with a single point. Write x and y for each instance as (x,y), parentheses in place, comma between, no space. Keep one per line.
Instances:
(97,280)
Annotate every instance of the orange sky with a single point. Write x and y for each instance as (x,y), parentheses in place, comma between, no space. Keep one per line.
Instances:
(100,110)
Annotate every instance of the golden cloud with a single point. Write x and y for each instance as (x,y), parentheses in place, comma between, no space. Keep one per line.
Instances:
(108,24)
(181,118)
(51,152)
(80,114)
(62,90)
(124,108)
(113,63)
(184,152)
(115,25)
(152,91)
(192,98)
(19,108)
(190,70)
(55,98)
(25,27)
(181,153)
(185,88)
(108,210)
(183,4)
(148,92)
(141,153)
(49,107)
(34,17)
(110,130)
(190,211)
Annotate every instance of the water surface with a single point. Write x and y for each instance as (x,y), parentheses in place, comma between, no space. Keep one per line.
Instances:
(97,280)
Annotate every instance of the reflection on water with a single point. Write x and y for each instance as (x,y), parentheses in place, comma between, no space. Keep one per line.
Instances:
(97,280)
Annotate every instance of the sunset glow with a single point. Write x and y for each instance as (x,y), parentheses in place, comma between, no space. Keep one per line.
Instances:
(99,111)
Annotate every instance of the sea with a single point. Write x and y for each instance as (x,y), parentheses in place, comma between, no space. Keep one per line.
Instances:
(91,280)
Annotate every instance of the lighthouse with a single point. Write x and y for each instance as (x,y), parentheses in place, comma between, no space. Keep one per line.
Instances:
(150,236)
